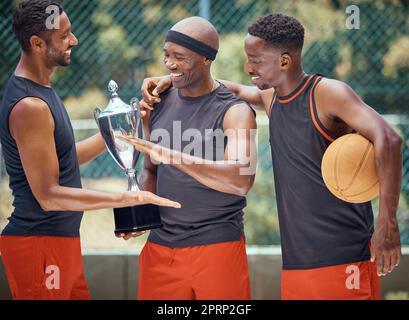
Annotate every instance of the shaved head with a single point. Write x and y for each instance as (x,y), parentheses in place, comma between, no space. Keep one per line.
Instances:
(199,29)
(190,48)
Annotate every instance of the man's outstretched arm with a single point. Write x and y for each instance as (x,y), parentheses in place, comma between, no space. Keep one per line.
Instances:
(154,86)
(261,99)
(32,126)
(90,148)
(235,174)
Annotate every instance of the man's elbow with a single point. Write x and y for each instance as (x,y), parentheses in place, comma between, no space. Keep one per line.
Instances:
(46,200)
(244,187)
(45,204)
(393,141)
(397,141)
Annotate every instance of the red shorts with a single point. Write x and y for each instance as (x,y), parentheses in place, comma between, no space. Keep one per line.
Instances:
(43,268)
(352,281)
(209,272)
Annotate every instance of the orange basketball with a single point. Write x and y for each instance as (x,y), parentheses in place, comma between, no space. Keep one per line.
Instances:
(349,170)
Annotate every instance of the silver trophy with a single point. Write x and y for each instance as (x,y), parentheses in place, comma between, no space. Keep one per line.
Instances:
(121,118)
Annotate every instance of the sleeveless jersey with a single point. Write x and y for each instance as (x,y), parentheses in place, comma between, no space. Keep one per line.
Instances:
(28,218)
(317,229)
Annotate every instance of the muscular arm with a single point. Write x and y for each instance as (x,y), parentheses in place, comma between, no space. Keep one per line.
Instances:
(342,102)
(154,86)
(32,126)
(235,174)
(90,148)
(261,99)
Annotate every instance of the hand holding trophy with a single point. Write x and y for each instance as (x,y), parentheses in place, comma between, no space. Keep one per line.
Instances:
(120,118)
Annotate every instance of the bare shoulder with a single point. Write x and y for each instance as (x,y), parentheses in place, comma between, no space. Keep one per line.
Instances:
(31,106)
(336,99)
(334,90)
(28,113)
(239,115)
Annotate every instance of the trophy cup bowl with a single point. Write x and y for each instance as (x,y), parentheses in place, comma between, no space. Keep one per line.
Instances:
(120,118)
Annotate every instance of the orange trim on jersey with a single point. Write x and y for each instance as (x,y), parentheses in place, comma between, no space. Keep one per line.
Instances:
(314,120)
(298,93)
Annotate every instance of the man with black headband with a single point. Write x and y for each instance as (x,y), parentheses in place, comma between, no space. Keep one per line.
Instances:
(200,251)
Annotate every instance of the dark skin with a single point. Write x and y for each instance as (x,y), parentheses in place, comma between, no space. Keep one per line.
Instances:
(277,72)
(189,71)
(223,176)
(32,126)
(185,68)
(196,80)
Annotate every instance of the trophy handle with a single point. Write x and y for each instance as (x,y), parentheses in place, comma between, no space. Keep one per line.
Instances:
(97,112)
(134,104)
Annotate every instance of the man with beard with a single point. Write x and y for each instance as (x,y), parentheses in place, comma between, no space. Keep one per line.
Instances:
(330,248)
(40,246)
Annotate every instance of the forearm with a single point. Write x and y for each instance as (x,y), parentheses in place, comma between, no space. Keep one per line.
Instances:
(60,198)
(249,93)
(90,148)
(388,153)
(385,242)
(221,177)
(227,176)
(232,86)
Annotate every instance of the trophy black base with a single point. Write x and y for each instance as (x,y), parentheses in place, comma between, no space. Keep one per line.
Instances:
(137,218)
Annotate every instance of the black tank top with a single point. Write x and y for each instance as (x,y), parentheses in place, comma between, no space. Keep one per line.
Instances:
(317,229)
(28,218)
(207,216)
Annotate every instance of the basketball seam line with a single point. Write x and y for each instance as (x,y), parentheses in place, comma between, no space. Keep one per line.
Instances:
(336,168)
(359,166)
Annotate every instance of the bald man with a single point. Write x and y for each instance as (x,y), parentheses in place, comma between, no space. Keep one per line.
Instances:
(200,251)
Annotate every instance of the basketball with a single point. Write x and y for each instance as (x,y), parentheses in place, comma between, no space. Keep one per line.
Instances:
(349,170)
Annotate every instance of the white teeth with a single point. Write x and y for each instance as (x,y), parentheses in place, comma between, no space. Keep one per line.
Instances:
(255,78)
(176,74)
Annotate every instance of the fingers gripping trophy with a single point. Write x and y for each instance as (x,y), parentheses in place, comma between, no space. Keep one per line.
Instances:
(120,118)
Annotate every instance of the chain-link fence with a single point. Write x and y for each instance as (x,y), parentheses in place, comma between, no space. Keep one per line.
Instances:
(123,39)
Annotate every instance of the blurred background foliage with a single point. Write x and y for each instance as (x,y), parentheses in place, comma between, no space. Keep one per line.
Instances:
(123,40)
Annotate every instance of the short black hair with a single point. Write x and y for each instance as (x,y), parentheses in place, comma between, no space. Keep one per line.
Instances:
(29,19)
(280,31)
